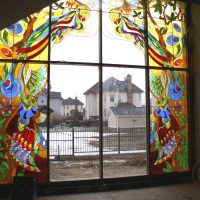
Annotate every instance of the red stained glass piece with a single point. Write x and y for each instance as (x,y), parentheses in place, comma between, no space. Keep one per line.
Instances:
(7,83)
(178,62)
(6,52)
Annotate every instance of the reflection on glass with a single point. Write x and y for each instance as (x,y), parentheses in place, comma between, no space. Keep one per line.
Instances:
(74,123)
(169,122)
(124,117)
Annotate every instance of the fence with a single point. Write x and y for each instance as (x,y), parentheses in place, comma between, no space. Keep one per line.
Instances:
(85,141)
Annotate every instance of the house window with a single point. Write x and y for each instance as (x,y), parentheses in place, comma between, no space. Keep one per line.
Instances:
(135,47)
(112,98)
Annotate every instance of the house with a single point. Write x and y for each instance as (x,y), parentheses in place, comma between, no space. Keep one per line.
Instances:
(60,108)
(114,92)
(55,102)
(126,115)
(69,105)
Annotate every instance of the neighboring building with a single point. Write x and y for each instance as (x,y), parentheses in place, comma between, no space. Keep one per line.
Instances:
(60,107)
(114,92)
(70,105)
(55,102)
(126,115)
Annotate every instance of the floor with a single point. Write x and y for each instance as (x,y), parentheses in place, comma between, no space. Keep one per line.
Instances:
(172,192)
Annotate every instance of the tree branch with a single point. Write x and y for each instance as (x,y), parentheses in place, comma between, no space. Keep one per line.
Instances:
(161,40)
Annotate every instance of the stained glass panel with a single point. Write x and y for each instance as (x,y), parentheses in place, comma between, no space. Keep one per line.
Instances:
(23,144)
(167,9)
(27,39)
(166,35)
(74,32)
(169,121)
(123,32)
(6,44)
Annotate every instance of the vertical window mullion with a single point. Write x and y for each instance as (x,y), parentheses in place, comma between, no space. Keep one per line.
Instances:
(100,95)
(147,86)
(48,91)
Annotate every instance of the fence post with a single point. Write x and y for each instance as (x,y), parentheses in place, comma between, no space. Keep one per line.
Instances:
(119,140)
(73,141)
(58,152)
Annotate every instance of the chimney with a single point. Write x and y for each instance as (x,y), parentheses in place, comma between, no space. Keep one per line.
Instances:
(129,89)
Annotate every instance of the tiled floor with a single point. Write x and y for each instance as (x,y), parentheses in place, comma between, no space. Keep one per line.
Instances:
(172,192)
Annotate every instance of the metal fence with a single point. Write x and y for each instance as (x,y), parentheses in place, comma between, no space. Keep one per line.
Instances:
(85,141)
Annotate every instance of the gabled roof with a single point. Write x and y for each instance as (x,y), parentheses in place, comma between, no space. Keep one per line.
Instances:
(112,84)
(70,101)
(128,109)
(53,95)
(44,108)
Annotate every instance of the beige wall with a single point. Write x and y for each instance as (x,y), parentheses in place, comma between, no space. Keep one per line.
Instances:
(194,30)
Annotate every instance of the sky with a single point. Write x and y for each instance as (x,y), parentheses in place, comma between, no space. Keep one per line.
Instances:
(73,81)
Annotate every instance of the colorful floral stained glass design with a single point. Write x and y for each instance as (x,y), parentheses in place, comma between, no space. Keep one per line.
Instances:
(169,121)
(123,28)
(74,27)
(26,39)
(166,34)
(22,142)
(23,145)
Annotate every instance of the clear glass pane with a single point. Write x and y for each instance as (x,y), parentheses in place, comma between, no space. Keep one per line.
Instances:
(23,142)
(124,117)
(169,121)
(74,123)
(123,33)
(74,32)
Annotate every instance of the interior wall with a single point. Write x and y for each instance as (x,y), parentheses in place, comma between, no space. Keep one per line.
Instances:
(11,10)
(194,51)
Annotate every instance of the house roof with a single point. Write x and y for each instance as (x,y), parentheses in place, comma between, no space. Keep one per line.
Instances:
(113,84)
(44,108)
(53,95)
(70,101)
(128,109)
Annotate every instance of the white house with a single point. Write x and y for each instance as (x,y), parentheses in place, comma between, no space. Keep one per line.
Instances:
(59,107)
(70,105)
(114,92)
(126,115)
(55,102)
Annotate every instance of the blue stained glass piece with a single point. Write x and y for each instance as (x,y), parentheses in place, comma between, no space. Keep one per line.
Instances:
(172,40)
(177,27)
(15,28)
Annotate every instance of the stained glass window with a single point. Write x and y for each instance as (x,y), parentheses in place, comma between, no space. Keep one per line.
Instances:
(22,140)
(169,121)
(166,34)
(27,39)
(74,33)
(91,39)
(123,28)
